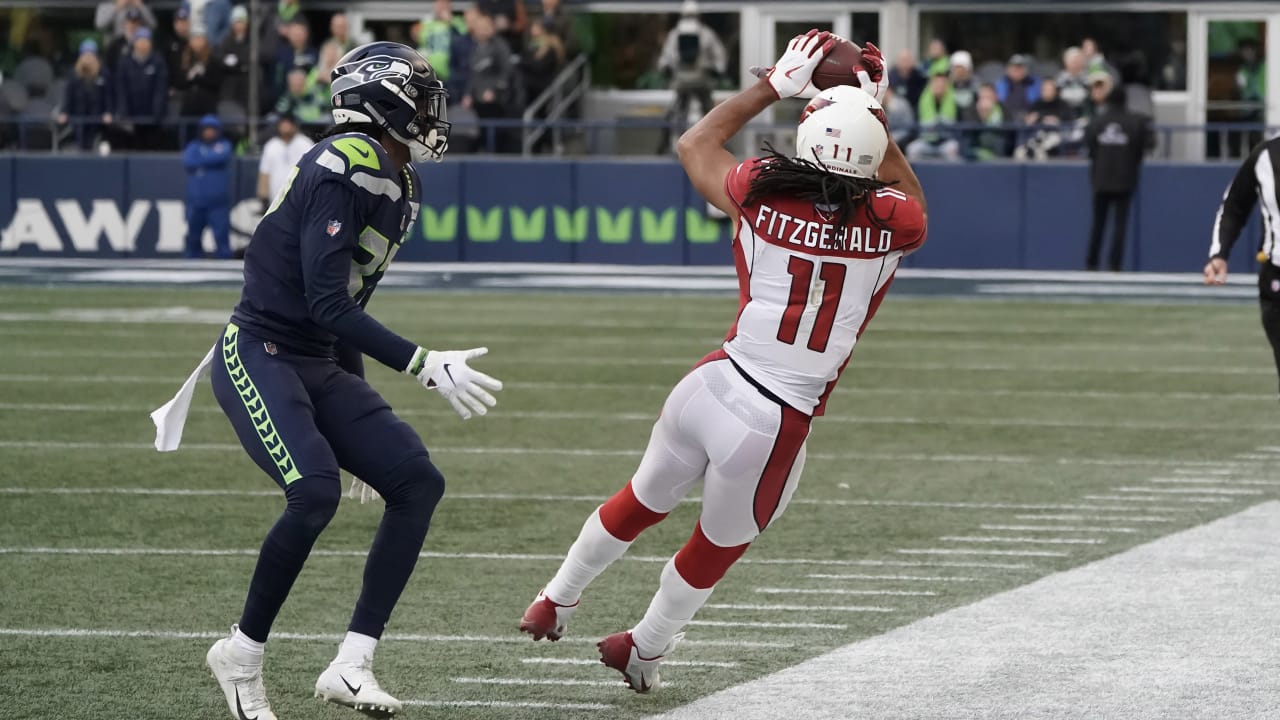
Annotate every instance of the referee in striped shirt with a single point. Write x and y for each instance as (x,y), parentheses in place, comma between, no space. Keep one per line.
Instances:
(1255,182)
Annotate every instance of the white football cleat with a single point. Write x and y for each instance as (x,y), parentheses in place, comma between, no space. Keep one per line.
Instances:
(239,674)
(353,685)
(619,652)
(546,618)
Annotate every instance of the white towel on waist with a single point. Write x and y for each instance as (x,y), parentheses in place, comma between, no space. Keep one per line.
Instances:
(171,417)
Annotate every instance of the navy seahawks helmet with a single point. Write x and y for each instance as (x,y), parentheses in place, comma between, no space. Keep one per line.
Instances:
(394,87)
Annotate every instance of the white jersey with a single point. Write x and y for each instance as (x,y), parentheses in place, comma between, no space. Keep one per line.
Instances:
(279,158)
(808,289)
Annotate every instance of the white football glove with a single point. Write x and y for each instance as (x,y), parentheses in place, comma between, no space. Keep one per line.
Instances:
(360,490)
(448,372)
(791,75)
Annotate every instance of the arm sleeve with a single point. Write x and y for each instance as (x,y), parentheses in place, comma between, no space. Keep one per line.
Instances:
(349,358)
(1237,203)
(191,155)
(326,270)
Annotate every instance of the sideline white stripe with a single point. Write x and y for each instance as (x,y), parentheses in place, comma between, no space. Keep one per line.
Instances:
(596,663)
(1098,518)
(1205,471)
(769,625)
(1216,480)
(1189,491)
(1157,498)
(507,705)
(902,578)
(1058,528)
(1022,540)
(334,637)
(842,591)
(563,682)
(958,551)
(182,492)
(799,608)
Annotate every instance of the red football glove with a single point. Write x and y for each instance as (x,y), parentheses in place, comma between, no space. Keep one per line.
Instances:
(871,75)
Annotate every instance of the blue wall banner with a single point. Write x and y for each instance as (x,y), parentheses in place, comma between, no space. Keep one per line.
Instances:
(1006,215)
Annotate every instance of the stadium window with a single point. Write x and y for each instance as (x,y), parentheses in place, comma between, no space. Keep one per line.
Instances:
(1145,47)
(636,40)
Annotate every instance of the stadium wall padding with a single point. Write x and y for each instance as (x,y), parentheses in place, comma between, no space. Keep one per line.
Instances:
(1016,216)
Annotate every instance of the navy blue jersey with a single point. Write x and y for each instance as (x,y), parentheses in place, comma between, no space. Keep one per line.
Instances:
(322,247)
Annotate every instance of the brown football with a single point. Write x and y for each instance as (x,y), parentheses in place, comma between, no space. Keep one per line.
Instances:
(839,66)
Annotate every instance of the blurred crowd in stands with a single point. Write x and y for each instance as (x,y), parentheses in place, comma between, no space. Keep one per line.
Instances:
(135,81)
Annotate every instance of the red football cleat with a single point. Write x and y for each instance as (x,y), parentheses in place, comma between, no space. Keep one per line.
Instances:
(546,619)
(619,652)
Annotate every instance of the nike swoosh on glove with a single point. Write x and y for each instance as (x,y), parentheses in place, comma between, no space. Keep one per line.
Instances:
(464,387)
(791,76)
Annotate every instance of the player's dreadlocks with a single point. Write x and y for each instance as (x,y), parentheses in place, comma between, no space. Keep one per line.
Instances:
(811,180)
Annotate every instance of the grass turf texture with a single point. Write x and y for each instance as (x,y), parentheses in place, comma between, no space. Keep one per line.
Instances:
(953,415)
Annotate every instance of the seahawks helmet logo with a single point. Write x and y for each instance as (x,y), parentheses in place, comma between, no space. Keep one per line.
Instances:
(375,68)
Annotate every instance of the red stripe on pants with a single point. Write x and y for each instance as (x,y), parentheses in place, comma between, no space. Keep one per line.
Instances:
(786,446)
(625,517)
(702,563)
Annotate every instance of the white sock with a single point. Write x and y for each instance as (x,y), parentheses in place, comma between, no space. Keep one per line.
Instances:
(247,645)
(593,551)
(672,607)
(356,648)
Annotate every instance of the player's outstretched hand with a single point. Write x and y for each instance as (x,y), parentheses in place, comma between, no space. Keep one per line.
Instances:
(1215,273)
(466,389)
(871,76)
(791,75)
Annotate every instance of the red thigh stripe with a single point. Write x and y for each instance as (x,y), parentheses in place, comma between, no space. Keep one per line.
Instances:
(786,447)
(625,517)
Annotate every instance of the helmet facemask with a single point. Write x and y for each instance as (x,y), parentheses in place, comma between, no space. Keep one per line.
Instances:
(407,103)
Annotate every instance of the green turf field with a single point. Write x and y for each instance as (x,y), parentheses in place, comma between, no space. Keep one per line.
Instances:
(972,447)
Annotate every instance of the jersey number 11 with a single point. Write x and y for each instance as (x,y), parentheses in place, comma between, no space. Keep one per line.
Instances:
(832,276)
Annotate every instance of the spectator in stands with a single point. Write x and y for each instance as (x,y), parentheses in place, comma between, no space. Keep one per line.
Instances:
(906,79)
(233,53)
(1101,84)
(337,45)
(559,22)
(510,20)
(1018,89)
(992,141)
(902,118)
(110,18)
(1117,139)
(937,60)
(442,40)
(541,61)
(208,163)
(217,20)
(936,111)
(175,45)
(1251,89)
(963,87)
(295,53)
(302,101)
(198,78)
(119,46)
(1050,117)
(693,59)
(87,97)
(1095,61)
(142,91)
(492,77)
(1173,75)
(279,156)
(1073,81)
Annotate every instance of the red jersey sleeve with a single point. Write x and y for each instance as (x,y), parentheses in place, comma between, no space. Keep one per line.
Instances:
(904,216)
(738,182)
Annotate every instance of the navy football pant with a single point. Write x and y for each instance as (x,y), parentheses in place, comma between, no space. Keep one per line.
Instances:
(301,418)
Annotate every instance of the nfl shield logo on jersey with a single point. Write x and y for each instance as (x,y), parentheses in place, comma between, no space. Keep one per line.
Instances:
(334,228)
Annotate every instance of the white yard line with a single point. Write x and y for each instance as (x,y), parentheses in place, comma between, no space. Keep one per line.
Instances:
(1203,471)
(1157,498)
(1189,491)
(560,682)
(767,607)
(507,705)
(513,639)
(1021,540)
(1097,518)
(596,663)
(769,625)
(993,553)
(1058,528)
(899,578)
(843,591)
(1215,480)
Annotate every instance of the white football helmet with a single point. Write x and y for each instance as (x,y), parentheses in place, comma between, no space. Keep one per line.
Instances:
(844,129)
